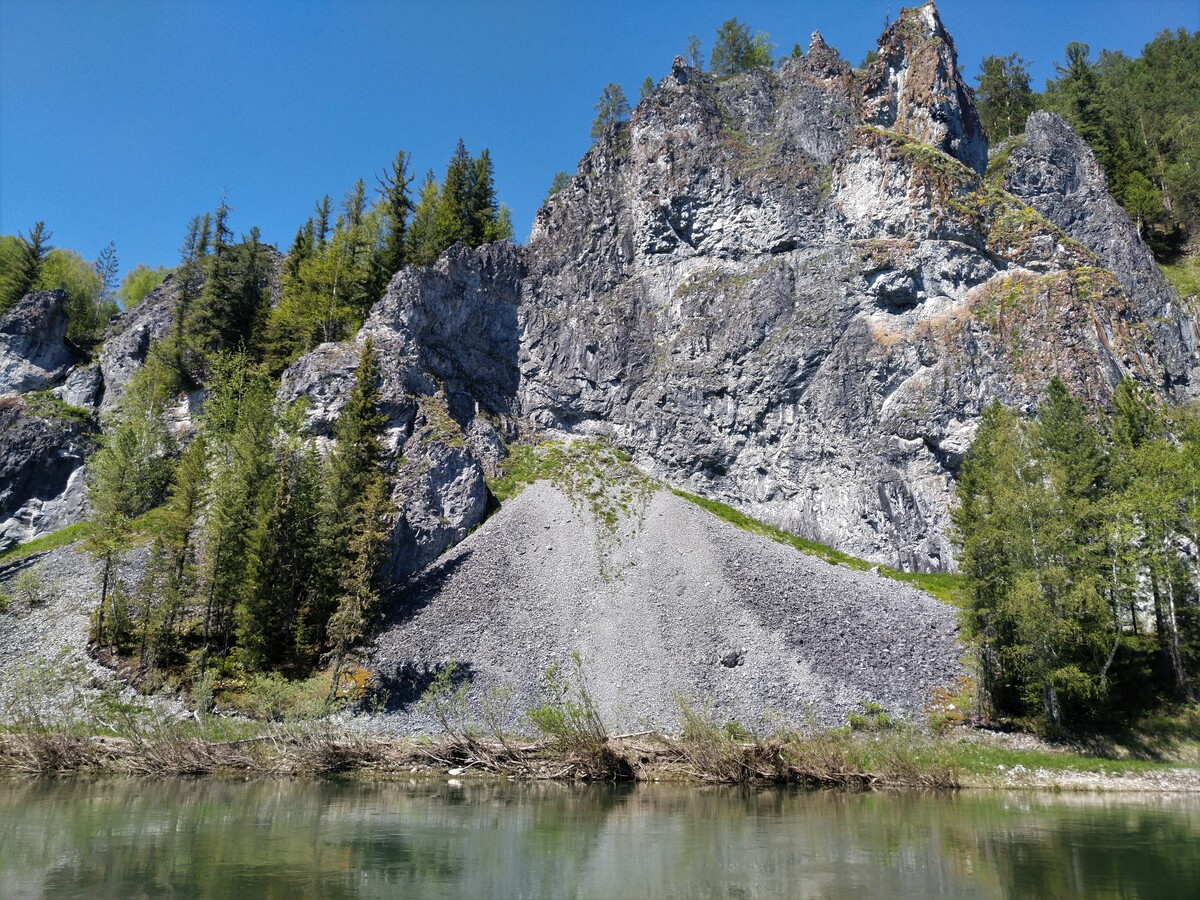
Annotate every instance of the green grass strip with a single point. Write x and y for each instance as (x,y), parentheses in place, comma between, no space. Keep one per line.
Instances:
(946,587)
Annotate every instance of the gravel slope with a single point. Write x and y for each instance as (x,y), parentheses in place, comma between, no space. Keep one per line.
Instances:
(54,631)
(675,601)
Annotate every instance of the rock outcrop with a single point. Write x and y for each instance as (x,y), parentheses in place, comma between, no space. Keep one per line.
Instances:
(771,301)
(447,342)
(1055,172)
(128,341)
(914,89)
(41,472)
(34,353)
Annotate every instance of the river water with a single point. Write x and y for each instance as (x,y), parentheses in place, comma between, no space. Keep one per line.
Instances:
(331,839)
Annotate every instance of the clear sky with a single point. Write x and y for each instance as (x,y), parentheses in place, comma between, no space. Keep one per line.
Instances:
(120,119)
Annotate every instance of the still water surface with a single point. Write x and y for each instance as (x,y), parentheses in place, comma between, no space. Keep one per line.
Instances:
(328,839)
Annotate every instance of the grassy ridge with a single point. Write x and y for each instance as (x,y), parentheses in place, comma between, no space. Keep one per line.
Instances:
(52,541)
(944,586)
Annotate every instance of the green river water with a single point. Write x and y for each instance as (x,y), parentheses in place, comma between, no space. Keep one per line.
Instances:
(331,839)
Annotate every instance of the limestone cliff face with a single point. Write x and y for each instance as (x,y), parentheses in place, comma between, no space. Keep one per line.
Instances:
(793,290)
(1056,173)
(33,343)
(42,484)
(447,344)
(914,89)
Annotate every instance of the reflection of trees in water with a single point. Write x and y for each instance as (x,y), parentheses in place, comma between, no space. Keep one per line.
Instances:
(300,839)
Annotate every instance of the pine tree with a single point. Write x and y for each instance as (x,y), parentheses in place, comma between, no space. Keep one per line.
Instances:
(357,612)
(33,250)
(303,246)
(1004,97)
(735,51)
(321,223)
(694,54)
(353,463)
(355,204)
(173,557)
(647,88)
(283,555)
(560,181)
(126,477)
(454,202)
(611,109)
(482,211)
(423,235)
(394,187)
(239,425)
(106,267)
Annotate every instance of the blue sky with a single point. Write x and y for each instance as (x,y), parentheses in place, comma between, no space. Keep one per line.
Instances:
(120,119)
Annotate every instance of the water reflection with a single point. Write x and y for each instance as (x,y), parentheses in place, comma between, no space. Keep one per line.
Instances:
(300,839)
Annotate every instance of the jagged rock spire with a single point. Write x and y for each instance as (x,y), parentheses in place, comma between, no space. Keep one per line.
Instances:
(914,88)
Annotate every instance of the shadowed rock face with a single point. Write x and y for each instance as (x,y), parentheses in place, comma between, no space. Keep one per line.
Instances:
(33,343)
(41,473)
(447,343)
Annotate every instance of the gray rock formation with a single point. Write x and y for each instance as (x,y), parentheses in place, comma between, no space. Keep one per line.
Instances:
(447,343)
(914,89)
(802,316)
(41,472)
(786,290)
(1054,171)
(128,341)
(33,343)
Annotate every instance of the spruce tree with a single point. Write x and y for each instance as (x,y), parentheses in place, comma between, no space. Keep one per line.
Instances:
(735,51)
(394,187)
(482,211)
(284,549)
(239,425)
(354,461)
(424,244)
(357,612)
(107,266)
(321,223)
(173,557)
(455,201)
(126,477)
(33,249)
(1004,97)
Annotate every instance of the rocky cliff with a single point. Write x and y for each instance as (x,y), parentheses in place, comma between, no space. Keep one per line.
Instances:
(793,290)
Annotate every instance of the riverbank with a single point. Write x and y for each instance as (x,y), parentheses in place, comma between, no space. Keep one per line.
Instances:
(838,758)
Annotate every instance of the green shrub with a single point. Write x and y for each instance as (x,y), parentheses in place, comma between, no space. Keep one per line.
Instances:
(28,588)
(568,715)
(446,700)
(872,718)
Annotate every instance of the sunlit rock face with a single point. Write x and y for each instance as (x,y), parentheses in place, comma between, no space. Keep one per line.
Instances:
(34,354)
(446,340)
(792,290)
